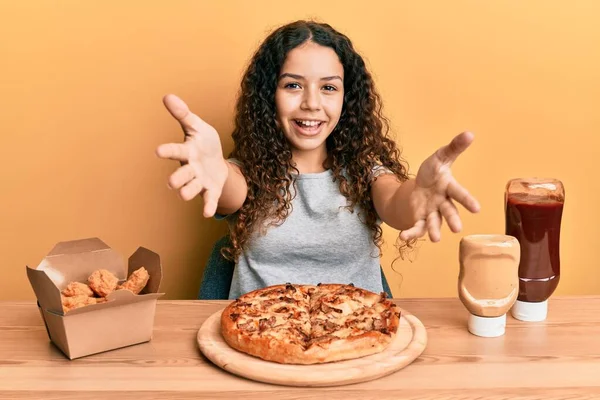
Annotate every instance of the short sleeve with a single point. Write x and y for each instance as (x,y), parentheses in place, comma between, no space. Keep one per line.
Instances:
(379,170)
(235,161)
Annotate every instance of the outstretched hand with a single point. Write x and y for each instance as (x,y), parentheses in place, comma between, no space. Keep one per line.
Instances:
(204,170)
(436,190)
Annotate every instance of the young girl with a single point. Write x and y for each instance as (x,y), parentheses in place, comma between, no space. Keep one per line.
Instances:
(313,172)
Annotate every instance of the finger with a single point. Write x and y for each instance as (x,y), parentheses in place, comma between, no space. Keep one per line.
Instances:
(449,153)
(460,194)
(173,151)
(450,214)
(182,176)
(191,190)
(189,121)
(211,200)
(416,231)
(434,223)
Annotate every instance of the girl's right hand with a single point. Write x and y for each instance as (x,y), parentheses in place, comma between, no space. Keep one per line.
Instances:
(204,170)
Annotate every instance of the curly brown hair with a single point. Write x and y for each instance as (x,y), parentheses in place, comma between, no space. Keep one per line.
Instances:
(358,143)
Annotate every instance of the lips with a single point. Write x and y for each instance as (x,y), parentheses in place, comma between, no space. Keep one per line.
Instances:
(311,129)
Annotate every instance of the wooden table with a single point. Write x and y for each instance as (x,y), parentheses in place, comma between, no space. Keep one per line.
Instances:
(555,359)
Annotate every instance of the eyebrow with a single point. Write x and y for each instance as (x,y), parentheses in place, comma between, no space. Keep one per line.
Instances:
(300,77)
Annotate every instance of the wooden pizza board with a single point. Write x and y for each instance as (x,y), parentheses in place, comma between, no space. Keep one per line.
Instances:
(408,344)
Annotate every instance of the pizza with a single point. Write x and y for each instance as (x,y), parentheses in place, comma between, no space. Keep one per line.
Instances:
(310,324)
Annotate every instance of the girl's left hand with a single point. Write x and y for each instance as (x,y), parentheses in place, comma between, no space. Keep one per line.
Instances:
(436,190)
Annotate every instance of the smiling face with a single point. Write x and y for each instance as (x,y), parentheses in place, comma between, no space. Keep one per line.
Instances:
(309,99)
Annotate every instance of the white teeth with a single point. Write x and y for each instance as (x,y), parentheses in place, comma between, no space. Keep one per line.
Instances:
(308,123)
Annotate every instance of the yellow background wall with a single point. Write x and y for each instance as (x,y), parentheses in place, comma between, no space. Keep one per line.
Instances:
(81,114)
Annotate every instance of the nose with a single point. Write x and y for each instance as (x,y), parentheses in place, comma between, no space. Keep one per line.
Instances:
(311,100)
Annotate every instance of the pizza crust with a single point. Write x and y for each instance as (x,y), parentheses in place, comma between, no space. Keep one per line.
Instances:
(267,348)
(349,348)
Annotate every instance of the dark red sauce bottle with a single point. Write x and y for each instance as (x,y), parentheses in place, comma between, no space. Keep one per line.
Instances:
(533,212)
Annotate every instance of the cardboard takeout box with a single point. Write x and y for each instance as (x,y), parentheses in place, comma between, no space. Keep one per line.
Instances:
(124,319)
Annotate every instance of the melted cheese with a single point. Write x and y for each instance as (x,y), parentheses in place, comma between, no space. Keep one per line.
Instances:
(351,312)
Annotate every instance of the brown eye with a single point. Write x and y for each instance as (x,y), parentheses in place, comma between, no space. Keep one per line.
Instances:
(292,86)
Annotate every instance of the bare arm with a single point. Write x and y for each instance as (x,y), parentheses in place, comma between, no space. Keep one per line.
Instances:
(392,201)
(234,191)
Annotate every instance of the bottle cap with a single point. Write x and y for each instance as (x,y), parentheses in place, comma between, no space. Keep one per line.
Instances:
(487,326)
(530,312)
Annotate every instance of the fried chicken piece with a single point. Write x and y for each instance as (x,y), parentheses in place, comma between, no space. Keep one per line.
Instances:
(77,289)
(70,303)
(103,282)
(137,281)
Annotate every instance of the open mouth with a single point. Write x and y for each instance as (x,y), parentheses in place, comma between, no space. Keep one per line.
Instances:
(310,128)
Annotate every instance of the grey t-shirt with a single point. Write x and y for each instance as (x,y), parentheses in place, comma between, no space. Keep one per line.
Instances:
(319,242)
